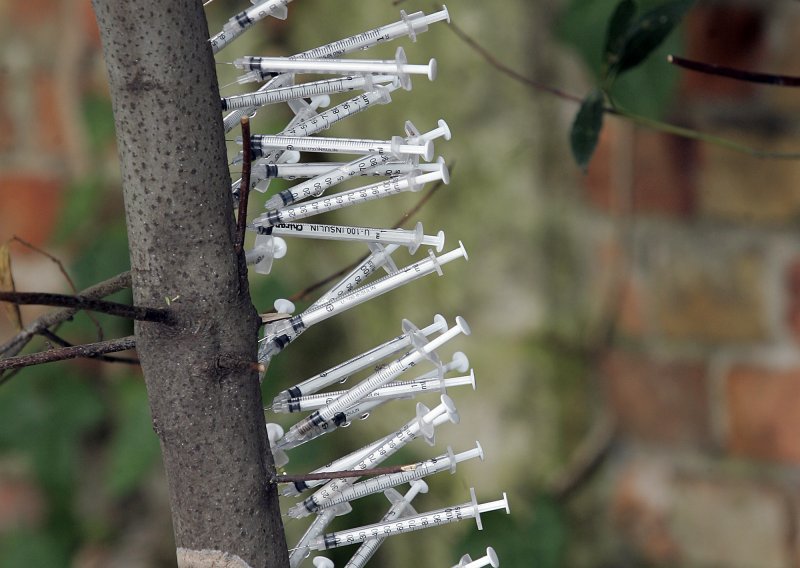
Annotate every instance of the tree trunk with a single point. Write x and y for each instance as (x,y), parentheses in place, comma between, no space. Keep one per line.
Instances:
(206,409)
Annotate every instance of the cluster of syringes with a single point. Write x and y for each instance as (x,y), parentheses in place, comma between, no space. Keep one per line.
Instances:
(405,162)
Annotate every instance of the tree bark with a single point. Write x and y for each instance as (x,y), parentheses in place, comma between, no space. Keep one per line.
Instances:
(208,415)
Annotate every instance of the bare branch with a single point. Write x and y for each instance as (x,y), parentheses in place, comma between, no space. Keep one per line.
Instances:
(64,273)
(100,290)
(58,340)
(88,350)
(241,219)
(138,313)
(732,73)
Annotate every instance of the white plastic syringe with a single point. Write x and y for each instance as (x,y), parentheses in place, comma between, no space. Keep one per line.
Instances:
(322,420)
(349,198)
(277,335)
(239,23)
(303,91)
(327,118)
(401,507)
(410,239)
(394,389)
(490,559)
(409,25)
(343,370)
(397,146)
(379,257)
(321,183)
(301,550)
(303,170)
(264,251)
(446,461)
(423,425)
(469,510)
(399,67)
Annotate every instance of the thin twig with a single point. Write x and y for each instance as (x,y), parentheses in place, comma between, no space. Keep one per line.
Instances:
(64,273)
(138,313)
(244,191)
(733,73)
(343,474)
(650,123)
(88,350)
(503,68)
(57,339)
(99,290)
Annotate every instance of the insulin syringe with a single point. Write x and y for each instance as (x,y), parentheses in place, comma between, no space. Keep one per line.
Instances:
(303,91)
(469,510)
(410,25)
(302,170)
(423,425)
(279,334)
(444,462)
(411,239)
(379,257)
(397,146)
(391,390)
(320,421)
(343,370)
(399,67)
(356,196)
(401,507)
(239,23)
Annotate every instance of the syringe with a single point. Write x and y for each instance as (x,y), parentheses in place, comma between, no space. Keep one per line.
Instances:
(356,196)
(277,335)
(381,256)
(300,551)
(321,183)
(401,507)
(423,425)
(343,370)
(399,67)
(303,91)
(322,420)
(411,239)
(397,146)
(410,25)
(264,251)
(238,24)
(391,390)
(490,559)
(302,170)
(469,510)
(446,461)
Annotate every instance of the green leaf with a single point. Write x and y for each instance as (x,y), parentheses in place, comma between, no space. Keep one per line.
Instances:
(648,31)
(617,30)
(586,128)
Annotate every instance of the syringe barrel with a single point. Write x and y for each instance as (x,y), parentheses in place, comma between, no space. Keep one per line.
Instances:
(354,279)
(353,365)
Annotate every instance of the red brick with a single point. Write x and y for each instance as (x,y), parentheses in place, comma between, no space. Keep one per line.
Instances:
(640,511)
(664,402)
(762,413)
(732,36)
(793,298)
(33,13)
(662,169)
(29,206)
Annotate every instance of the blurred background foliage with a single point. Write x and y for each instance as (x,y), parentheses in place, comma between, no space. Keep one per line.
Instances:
(80,432)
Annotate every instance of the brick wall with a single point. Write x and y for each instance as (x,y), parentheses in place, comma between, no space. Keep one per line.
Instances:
(705,375)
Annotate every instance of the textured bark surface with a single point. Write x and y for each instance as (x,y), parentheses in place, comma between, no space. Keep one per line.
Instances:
(179,211)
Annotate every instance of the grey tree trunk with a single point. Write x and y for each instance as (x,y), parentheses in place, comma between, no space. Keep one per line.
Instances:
(206,409)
